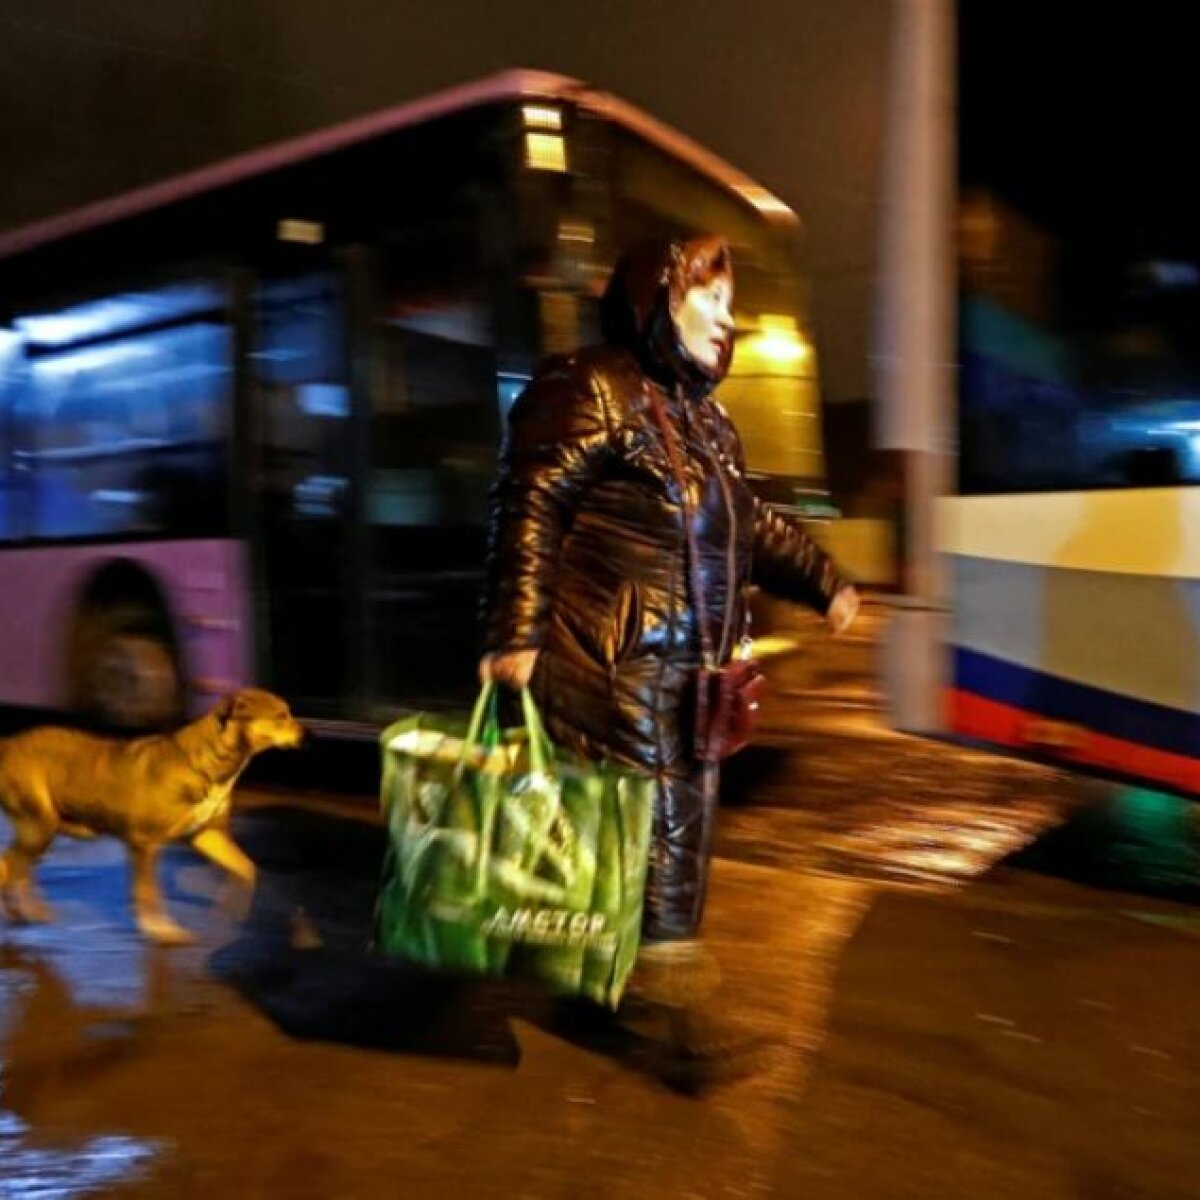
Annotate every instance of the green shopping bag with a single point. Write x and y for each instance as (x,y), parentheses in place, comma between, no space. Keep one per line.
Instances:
(508,856)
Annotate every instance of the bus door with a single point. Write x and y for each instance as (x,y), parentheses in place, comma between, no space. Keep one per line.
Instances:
(304,446)
(434,427)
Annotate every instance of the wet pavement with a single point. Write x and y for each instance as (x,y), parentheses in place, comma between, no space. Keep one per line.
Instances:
(978,976)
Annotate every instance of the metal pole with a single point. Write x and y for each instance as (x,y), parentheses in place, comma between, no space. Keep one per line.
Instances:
(914,344)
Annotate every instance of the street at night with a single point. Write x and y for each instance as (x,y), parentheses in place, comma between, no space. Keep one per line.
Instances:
(939,1012)
(598,601)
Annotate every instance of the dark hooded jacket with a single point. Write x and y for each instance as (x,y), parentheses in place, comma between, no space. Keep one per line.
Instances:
(588,558)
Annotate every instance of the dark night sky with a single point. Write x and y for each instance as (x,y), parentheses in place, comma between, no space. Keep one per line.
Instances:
(1083,116)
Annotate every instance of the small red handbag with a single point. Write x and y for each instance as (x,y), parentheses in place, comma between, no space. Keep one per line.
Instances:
(727,706)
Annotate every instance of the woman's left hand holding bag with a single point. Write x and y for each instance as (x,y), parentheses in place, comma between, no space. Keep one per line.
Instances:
(513,669)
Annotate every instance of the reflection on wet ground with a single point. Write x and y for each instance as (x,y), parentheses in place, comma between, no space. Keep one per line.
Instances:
(37,1174)
(282,1058)
(836,791)
(53,1045)
(303,1066)
(1126,838)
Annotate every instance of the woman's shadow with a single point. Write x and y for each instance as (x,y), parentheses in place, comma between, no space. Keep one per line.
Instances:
(303,957)
(304,960)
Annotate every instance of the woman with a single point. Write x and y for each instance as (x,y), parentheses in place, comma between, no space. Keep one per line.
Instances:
(590,588)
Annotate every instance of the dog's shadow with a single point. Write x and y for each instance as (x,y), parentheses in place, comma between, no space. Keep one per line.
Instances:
(303,957)
(97,888)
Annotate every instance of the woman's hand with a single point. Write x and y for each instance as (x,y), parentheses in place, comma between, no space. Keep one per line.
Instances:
(843,609)
(515,669)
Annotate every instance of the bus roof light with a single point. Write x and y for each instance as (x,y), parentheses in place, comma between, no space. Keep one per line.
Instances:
(542,116)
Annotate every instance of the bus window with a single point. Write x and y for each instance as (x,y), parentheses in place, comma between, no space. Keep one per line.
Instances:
(121,432)
(1075,370)
(10,360)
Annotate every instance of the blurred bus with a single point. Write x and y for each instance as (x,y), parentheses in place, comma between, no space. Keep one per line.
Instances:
(1072,550)
(249,416)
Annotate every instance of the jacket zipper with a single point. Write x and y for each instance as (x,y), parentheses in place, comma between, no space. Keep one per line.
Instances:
(731,525)
(733,587)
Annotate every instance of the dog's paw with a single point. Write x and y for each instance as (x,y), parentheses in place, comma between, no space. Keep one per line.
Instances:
(28,910)
(164,932)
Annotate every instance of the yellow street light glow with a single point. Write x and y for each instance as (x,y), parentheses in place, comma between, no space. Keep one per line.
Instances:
(779,340)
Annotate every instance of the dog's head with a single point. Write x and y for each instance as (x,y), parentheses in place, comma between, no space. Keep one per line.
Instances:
(259,721)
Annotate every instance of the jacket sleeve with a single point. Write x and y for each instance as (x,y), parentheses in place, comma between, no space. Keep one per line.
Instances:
(786,561)
(557,438)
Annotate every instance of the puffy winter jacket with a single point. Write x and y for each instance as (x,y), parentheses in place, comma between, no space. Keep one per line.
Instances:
(588,554)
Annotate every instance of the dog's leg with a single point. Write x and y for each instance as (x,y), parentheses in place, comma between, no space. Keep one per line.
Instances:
(218,847)
(31,837)
(151,916)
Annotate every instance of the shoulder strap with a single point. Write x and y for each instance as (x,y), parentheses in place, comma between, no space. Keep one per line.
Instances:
(693,556)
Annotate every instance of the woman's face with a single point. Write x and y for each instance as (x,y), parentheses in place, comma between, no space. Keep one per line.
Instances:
(705,322)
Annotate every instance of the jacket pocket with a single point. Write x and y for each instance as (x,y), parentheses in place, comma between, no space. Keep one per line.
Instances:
(627,620)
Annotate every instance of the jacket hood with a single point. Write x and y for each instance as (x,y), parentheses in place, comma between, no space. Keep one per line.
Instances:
(646,287)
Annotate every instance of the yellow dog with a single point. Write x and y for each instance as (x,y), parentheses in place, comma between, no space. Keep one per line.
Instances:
(147,791)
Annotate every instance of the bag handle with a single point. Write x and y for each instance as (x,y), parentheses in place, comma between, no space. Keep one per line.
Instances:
(485,720)
(484,728)
(541,753)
